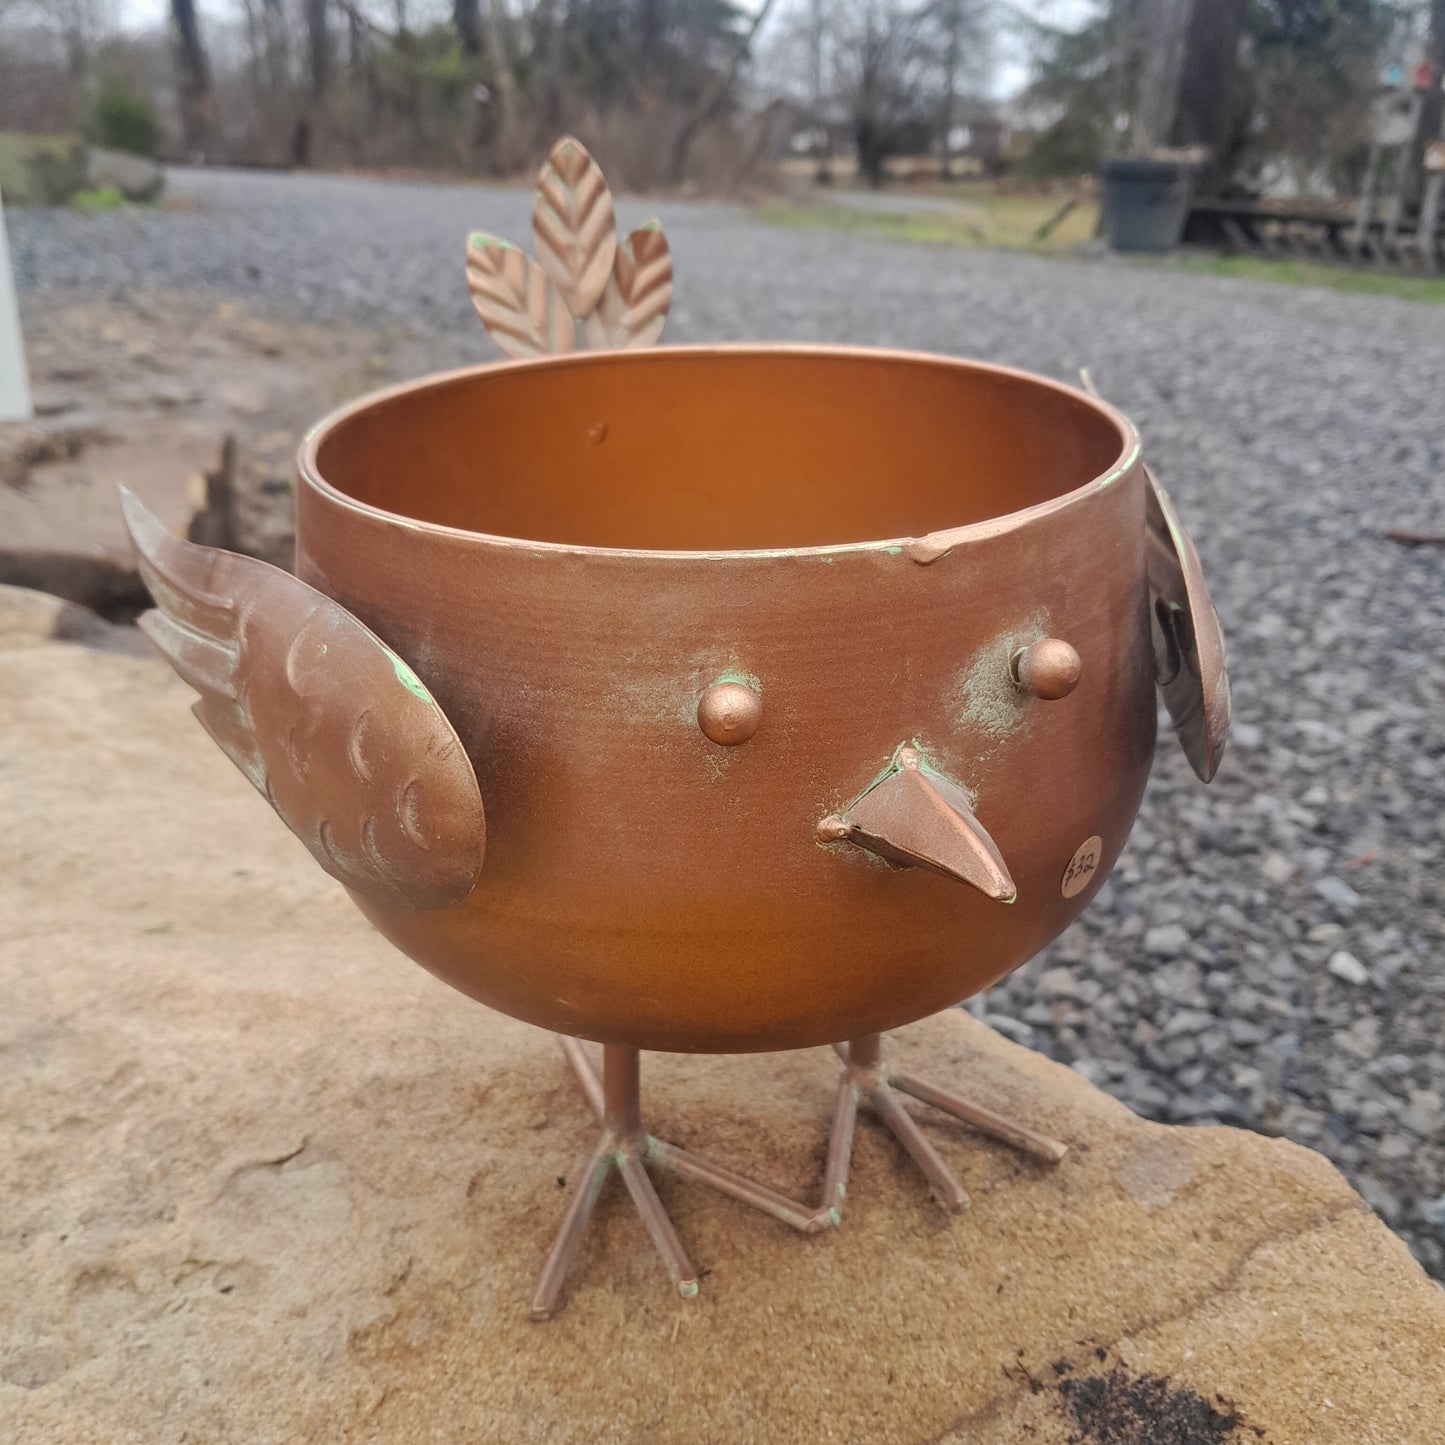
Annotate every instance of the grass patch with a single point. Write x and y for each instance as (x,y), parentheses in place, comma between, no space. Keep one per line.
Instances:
(1011,221)
(977,219)
(1321,274)
(98,198)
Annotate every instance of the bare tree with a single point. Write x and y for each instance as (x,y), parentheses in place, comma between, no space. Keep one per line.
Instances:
(318,47)
(194,74)
(963,26)
(713,94)
(880,68)
(900,74)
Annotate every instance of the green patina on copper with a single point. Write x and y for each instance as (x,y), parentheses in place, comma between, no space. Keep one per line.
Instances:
(984,697)
(1126,462)
(736,675)
(410,681)
(926,765)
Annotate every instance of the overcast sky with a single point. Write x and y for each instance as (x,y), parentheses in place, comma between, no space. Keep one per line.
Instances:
(1008,76)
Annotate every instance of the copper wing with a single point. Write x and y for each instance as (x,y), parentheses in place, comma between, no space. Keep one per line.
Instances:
(328,723)
(1188,642)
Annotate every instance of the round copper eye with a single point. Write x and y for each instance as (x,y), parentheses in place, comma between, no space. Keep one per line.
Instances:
(1048,668)
(729,713)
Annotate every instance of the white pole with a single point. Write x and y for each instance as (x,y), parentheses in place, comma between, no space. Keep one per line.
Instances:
(14,385)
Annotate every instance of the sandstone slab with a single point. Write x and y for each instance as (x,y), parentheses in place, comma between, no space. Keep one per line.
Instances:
(262,1179)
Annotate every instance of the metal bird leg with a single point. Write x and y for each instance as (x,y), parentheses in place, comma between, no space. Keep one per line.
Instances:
(627,1147)
(867,1075)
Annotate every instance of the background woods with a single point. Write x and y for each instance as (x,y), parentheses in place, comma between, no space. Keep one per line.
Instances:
(1284,96)
(476,85)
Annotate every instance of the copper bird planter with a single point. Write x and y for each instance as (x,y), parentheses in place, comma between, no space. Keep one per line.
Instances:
(706,699)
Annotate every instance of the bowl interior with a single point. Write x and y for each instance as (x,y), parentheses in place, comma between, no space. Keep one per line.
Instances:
(712,450)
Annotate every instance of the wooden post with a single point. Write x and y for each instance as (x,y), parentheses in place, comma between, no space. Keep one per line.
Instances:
(14,384)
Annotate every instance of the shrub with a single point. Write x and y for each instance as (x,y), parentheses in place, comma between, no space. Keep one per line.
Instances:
(39,170)
(121,120)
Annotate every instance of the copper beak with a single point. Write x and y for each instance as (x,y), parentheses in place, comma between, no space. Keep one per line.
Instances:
(915,816)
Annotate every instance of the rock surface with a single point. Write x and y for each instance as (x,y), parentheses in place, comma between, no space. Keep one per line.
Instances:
(195,406)
(137,178)
(264,1180)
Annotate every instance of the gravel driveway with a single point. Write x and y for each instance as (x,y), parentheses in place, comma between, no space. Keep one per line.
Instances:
(1268,952)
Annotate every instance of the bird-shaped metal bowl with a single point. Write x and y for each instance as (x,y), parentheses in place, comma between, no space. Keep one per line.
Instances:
(797,693)
(577,555)
(921,584)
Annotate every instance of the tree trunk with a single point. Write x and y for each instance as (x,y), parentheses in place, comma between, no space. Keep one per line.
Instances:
(1207,86)
(547,82)
(466,16)
(318,64)
(362,75)
(872,150)
(869,134)
(194,78)
(318,46)
(504,85)
(949,117)
(275,62)
(822,121)
(77,40)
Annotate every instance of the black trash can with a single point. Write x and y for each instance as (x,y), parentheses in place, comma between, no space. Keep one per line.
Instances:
(1146,203)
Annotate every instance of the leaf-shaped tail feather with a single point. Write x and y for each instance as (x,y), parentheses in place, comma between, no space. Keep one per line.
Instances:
(521,308)
(368,772)
(634,303)
(572,225)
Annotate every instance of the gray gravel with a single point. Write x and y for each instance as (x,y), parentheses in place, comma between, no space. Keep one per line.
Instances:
(1268,952)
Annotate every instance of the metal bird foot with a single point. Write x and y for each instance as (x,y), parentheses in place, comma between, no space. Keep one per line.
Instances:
(626,1146)
(867,1075)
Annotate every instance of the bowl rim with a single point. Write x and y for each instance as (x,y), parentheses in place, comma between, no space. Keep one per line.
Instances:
(924,548)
